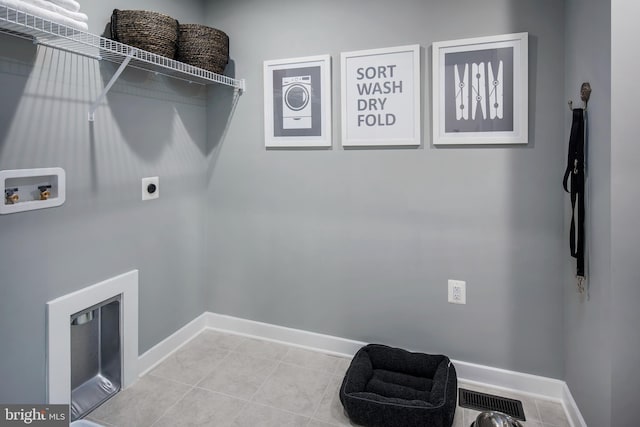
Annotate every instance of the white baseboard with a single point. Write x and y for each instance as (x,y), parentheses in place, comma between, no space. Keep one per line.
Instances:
(537,386)
(295,337)
(534,385)
(571,408)
(169,345)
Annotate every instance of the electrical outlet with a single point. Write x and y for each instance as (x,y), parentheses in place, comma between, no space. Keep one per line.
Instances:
(150,188)
(457,292)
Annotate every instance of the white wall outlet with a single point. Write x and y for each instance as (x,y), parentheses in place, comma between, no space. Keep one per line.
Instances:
(457,292)
(150,188)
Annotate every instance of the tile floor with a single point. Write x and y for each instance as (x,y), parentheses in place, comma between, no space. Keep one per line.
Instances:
(226,380)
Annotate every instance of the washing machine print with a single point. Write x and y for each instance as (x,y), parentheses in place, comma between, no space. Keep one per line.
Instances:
(296,102)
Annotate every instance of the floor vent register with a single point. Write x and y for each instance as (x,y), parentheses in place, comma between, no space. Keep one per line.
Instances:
(489,402)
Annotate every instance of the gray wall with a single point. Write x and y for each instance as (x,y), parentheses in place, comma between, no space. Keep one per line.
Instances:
(353,243)
(587,320)
(625,203)
(147,126)
(360,243)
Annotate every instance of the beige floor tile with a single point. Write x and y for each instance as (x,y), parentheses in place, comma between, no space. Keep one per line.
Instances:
(220,340)
(342,366)
(262,349)
(201,408)
(552,413)
(239,375)
(295,389)
(469,416)
(316,423)
(311,359)
(288,386)
(141,404)
(255,415)
(458,420)
(331,409)
(191,363)
(99,422)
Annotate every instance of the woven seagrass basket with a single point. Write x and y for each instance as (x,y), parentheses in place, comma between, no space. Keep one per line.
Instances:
(150,31)
(203,47)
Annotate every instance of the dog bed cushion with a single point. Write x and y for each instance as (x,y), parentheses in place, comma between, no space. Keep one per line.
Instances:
(391,387)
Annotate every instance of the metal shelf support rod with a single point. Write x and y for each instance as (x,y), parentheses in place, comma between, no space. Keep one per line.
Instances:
(96,103)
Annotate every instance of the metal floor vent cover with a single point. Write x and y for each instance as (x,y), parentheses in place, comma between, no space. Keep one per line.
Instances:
(489,402)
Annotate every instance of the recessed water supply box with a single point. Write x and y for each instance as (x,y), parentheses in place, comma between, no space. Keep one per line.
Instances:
(29,189)
(96,356)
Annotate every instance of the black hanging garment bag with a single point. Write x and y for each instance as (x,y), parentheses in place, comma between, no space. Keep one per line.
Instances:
(575,175)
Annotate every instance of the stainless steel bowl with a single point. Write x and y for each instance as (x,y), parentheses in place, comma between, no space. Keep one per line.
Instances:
(495,419)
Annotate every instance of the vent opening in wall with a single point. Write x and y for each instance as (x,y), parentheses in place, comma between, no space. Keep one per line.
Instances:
(96,360)
(92,342)
(489,402)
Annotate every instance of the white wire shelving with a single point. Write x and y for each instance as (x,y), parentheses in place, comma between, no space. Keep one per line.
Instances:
(49,33)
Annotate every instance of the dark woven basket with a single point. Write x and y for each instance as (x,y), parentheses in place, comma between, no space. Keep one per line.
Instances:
(150,31)
(203,47)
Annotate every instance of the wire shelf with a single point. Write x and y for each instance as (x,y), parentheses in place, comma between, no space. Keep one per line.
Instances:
(59,36)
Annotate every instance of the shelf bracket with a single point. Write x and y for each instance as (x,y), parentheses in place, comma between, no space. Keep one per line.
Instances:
(100,98)
(243,86)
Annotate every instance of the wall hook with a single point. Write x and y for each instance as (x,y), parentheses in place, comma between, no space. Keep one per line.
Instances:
(585,94)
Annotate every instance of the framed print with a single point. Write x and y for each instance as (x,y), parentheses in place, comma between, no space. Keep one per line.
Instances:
(297,102)
(381,97)
(480,90)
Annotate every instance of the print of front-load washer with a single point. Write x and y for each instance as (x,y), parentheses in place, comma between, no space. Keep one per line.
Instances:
(296,102)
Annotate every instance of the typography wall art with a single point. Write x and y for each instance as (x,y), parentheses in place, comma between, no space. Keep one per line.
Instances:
(381,97)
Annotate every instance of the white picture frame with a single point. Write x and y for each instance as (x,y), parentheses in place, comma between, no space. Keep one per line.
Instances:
(297,102)
(479,104)
(380,97)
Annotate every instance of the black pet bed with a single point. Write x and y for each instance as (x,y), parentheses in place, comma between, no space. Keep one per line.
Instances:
(391,387)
